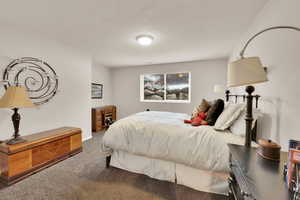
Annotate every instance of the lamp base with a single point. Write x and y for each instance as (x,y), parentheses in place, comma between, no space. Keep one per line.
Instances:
(249,117)
(16,140)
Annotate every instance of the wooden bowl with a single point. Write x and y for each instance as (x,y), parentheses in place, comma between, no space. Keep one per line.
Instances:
(269,149)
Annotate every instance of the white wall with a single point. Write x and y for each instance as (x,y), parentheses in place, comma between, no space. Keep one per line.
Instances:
(205,74)
(71,106)
(279,51)
(102,75)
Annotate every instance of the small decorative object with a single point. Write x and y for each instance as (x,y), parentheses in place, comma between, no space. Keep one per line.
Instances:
(170,87)
(108,121)
(269,149)
(97,91)
(37,76)
(15,97)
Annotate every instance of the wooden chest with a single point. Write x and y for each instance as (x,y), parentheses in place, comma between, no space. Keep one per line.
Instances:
(99,114)
(40,150)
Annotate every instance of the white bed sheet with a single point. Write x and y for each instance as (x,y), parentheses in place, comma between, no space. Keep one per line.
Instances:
(158,169)
(202,180)
(164,136)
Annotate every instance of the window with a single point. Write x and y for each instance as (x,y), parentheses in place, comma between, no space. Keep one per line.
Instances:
(170,87)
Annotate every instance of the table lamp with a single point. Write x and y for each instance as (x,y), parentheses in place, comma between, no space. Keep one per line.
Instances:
(247,71)
(15,97)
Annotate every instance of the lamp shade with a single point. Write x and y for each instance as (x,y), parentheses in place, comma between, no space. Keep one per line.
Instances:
(246,71)
(219,88)
(15,97)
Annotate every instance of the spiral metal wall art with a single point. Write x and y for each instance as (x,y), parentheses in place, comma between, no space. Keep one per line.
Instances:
(36,75)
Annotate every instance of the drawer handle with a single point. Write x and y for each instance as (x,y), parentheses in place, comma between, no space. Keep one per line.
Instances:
(245,194)
(232,165)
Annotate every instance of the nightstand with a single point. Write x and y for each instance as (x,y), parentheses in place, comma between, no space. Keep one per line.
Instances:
(253,177)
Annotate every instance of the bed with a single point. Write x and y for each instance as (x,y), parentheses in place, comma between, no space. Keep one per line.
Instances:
(161,146)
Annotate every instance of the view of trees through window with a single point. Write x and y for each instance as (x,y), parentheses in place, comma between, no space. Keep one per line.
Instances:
(171,87)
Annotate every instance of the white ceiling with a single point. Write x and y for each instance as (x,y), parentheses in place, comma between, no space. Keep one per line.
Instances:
(184,30)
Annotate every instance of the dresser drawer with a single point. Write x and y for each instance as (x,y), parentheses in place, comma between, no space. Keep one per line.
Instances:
(99,127)
(108,110)
(238,182)
(50,151)
(98,111)
(99,117)
(19,162)
(234,190)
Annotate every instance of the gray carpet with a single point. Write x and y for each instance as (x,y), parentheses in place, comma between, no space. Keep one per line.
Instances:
(84,177)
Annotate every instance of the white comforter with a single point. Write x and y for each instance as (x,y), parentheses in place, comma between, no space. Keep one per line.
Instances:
(163,135)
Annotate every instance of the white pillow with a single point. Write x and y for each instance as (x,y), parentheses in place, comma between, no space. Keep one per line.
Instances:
(230,113)
(239,126)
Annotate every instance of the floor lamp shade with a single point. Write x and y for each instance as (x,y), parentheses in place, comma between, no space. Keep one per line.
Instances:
(245,71)
(15,97)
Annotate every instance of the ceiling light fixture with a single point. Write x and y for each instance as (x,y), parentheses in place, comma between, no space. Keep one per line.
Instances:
(144,40)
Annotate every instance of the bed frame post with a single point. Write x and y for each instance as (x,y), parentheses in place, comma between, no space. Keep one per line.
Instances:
(227,95)
(253,135)
(249,116)
(108,161)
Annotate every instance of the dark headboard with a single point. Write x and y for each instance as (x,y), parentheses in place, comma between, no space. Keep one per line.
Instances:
(237,98)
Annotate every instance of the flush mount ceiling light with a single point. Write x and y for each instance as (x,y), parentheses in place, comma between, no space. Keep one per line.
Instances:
(144,40)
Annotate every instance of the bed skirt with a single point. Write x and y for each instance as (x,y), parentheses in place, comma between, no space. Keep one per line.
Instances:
(202,180)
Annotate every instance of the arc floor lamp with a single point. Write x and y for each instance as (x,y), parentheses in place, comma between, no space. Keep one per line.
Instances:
(247,71)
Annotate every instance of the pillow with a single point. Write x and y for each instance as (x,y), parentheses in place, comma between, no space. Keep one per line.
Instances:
(228,116)
(199,120)
(203,107)
(214,112)
(239,126)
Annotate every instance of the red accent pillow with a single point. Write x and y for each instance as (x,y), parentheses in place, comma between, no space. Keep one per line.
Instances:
(196,121)
(202,115)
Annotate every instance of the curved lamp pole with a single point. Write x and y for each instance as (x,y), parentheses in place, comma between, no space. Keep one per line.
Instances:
(265,30)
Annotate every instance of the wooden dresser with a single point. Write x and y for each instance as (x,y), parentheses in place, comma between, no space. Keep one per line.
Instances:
(99,114)
(41,150)
(255,178)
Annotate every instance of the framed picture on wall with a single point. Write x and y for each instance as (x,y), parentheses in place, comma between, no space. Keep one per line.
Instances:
(97,91)
(169,87)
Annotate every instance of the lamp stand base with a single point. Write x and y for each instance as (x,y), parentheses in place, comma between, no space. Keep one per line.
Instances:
(16,140)
(16,122)
(249,117)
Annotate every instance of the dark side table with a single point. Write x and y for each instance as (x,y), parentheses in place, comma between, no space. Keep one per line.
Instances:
(253,177)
